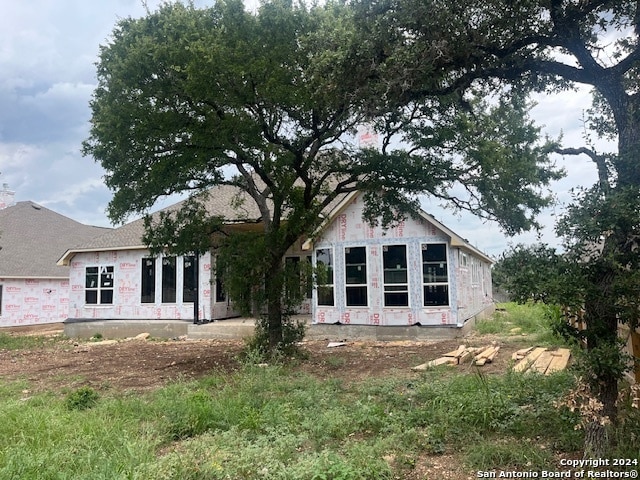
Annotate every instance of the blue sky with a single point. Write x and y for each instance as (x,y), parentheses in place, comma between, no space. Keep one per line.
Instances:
(48,51)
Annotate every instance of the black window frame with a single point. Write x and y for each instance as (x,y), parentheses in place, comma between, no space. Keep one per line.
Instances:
(189,280)
(148,272)
(325,277)
(435,275)
(395,271)
(102,291)
(169,279)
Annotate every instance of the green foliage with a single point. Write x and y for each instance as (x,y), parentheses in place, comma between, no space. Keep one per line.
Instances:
(82,399)
(261,104)
(536,321)
(527,457)
(536,273)
(270,422)
(259,344)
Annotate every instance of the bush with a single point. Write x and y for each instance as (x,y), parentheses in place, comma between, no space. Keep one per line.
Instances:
(292,333)
(82,399)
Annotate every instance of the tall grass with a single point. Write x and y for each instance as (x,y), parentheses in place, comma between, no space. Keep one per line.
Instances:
(531,322)
(273,423)
(278,423)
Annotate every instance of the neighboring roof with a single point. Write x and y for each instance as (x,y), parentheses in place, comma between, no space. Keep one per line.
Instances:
(32,238)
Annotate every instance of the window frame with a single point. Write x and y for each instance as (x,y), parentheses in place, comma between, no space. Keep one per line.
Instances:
(393,288)
(325,292)
(189,272)
(103,274)
(436,283)
(169,290)
(352,286)
(150,296)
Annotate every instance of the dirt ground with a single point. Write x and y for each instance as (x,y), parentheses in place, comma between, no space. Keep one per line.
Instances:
(141,365)
(138,365)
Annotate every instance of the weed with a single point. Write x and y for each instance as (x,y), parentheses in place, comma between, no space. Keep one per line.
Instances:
(335,362)
(533,320)
(82,399)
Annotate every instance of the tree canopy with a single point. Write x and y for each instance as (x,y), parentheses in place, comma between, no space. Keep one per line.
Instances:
(545,46)
(268,102)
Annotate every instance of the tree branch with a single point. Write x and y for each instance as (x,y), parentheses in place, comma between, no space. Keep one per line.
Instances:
(599,160)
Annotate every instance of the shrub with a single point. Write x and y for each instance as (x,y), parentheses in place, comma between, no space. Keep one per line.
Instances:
(82,399)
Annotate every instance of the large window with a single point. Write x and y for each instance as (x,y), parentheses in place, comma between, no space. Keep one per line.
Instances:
(148,283)
(355,260)
(324,269)
(169,280)
(189,279)
(98,285)
(435,278)
(396,284)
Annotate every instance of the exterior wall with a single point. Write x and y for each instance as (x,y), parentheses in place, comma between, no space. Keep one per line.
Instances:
(466,297)
(127,290)
(33,301)
(473,278)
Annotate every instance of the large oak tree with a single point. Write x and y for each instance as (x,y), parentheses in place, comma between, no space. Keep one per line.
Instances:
(550,45)
(189,99)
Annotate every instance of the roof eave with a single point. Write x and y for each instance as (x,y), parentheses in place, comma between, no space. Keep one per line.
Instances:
(66,258)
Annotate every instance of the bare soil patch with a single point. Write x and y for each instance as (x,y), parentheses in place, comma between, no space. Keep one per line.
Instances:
(139,365)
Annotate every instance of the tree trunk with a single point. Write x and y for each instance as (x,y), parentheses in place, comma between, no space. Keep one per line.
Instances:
(596,440)
(274,285)
(602,323)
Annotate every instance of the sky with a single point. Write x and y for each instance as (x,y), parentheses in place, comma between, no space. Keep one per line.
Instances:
(48,51)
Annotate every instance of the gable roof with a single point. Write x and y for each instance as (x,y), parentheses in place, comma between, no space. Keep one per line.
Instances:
(455,239)
(235,206)
(32,238)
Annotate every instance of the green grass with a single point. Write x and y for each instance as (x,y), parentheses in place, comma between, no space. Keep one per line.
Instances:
(273,423)
(278,423)
(21,342)
(530,323)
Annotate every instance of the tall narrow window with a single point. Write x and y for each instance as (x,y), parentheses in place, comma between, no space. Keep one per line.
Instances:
(435,278)
(307,277)
(189,280)
(396,286)
(169,280)
(148,283)
(98,285)
(324,269)
(0,300)
(293,279)
(221,295)
(355,259)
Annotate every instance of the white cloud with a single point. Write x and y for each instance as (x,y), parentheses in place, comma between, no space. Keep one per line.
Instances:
(48,49)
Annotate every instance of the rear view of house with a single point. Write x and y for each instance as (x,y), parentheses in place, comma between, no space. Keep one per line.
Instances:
(417,273)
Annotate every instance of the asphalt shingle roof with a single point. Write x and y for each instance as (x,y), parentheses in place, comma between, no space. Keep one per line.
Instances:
(225,201)
(33,238)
